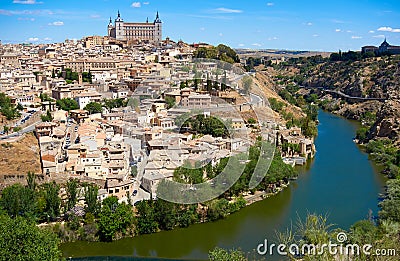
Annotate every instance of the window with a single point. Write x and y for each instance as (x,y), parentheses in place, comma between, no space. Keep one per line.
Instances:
(116,190)
(110,191)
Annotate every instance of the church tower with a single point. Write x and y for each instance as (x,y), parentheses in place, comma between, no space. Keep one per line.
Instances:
(119,28)
(157,29)
(110,28)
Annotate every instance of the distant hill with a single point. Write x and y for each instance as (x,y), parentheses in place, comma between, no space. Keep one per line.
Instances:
(373,77)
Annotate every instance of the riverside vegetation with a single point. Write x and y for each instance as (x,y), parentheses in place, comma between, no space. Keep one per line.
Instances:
(65,220)
(355,75)
(35,204)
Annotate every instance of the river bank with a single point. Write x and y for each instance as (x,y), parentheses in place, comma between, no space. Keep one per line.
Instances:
(73,230)
(339,163)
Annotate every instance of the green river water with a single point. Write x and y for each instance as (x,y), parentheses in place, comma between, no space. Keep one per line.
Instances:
(340,181)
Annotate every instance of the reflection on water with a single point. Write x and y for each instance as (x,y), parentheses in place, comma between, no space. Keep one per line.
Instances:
(340,182)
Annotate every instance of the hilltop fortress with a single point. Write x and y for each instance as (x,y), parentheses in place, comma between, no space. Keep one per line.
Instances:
(128,31)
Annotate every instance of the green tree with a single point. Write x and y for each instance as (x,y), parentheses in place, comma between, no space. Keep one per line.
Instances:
(275,104)
(146,221)
(67,104)
(251,121)
(309,128)
(7,108)
(44,97)
(113,218)
(47,118)
(221,52)
(20,107)
(87,77)
(18,200)
(6,129)
(53,201)
(217,209)
(206,125)
(165,214)
(390,206)
(170,102)
(134,171)
(219,254)
(397,161)
(114,103)
(21,240)
(72,193)
(363,232)
(93,107)
(92,204)
(361,134)
(31,180)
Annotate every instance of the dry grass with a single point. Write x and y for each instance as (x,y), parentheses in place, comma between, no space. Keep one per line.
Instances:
(20,156)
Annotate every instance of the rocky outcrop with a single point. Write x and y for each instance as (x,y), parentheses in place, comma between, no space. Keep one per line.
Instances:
(388,122)
(357,110)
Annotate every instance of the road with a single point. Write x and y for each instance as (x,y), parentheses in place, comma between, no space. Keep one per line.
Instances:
(27,129)
(343,94)
(255,99)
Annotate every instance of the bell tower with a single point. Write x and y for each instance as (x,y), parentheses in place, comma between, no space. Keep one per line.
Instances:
(119,28)
(110,28)
(158,29)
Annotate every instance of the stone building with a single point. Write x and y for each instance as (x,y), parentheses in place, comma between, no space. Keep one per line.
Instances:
(130,31)
(384,48)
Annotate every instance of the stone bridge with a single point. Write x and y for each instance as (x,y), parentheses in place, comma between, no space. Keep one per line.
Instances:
(348,98)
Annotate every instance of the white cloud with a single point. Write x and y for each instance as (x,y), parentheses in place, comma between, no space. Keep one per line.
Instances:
(25,12)
(220,34)
(371,32)
(241,45)
(272,38)
(270,4)
(256,44)
(385,29)
(309,23)
(26,19)
(47,39)
(379,36)
(389,29)
(338,30)
(349,31)
(356,37)
(136,4)
(146,3)
(228,10)
(336,21)
(26,2)
(33,39)
(202,29)
(57,23)
(94,16)
(315,35)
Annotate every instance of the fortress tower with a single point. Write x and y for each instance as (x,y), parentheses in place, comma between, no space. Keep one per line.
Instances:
(146,31)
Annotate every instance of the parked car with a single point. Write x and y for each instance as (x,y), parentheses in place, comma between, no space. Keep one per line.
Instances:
(134,192)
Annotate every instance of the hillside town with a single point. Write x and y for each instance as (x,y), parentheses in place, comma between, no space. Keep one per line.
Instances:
(105,110)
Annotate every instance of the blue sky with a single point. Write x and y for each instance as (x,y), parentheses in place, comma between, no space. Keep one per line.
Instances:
(292,24)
